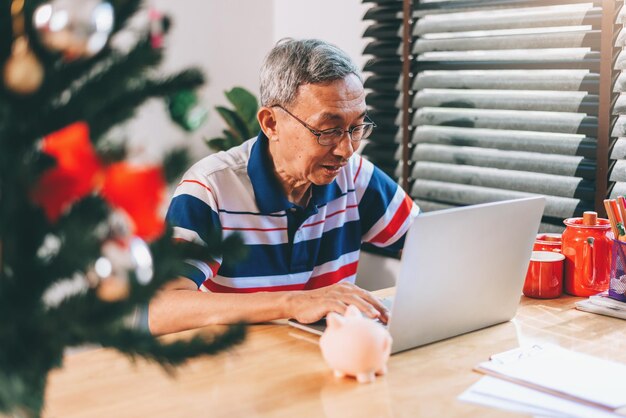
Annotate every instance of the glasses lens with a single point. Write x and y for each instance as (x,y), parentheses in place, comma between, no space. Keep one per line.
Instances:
(331,136)
(361,131)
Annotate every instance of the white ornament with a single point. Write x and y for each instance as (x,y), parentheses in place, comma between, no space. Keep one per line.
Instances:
(76,28)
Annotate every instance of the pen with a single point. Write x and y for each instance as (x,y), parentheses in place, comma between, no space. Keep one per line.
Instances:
(621,204)
(619,220)
(611,215)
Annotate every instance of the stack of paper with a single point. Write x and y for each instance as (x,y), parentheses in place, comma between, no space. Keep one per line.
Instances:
(604,305)
(548,380)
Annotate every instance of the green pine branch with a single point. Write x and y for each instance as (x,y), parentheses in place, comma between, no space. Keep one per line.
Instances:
(80,233)
(175,163)
(24,386)
(124,10)
(106,114)
(137,343)
(112,79)
(6,30)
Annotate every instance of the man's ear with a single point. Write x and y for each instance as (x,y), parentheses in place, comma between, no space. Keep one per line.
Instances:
(267,120)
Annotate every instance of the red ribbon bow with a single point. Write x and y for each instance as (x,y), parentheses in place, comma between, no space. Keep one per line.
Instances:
(138,191)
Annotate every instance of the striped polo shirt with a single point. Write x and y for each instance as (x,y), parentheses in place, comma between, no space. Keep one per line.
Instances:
(289,247)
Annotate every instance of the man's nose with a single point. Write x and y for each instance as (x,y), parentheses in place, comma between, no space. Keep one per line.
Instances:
(345,148)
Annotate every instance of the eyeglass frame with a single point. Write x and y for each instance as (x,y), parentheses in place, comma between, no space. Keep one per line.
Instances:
(318,133)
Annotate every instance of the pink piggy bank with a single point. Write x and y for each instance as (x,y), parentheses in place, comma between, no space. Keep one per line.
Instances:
(355,346)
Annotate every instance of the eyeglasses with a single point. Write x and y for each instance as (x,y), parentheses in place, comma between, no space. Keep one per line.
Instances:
(329,137)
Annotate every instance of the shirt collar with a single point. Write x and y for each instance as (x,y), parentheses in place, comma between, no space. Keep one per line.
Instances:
(268,194)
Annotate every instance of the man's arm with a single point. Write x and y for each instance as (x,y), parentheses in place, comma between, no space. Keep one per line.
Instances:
(180,306)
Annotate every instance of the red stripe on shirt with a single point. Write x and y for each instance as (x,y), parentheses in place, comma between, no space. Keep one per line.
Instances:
(203,185)
(332,277)
(214,266)
(229,228)
(396,222)
(358,170)
(218,288)
(196,182)
(316,282)
(329,216)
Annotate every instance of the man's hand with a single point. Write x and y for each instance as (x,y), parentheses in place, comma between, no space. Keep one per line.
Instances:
(308,306)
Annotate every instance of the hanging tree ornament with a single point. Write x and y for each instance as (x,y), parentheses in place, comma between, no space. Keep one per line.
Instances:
(76,28)
(186,110)
(22,73)
(121,261)
(124,257)
(157,32)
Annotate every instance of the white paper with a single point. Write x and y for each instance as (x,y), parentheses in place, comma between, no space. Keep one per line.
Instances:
(568,372)
(588,305)
(490,391)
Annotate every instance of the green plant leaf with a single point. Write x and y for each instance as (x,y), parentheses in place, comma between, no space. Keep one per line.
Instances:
(237,126)
(245,103)
(218,143)
(232,140)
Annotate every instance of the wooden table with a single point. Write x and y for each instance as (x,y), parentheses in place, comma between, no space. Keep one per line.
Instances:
(279,372)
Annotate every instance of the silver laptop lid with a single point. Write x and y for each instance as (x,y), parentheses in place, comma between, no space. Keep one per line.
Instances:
(463,269)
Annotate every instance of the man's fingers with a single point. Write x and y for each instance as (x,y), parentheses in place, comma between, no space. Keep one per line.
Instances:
(367,303)
(337,306)
(364,306)
(376,303)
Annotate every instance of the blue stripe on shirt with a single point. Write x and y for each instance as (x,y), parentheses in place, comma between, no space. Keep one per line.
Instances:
(334,244)
(193,273)
(189,212)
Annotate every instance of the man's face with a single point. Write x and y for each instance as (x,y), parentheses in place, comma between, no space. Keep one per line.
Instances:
(339,104)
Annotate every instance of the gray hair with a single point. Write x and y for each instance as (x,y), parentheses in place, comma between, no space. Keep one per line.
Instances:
(292,63)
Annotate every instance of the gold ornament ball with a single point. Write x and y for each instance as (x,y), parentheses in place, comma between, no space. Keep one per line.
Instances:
(23,73)
(113,289)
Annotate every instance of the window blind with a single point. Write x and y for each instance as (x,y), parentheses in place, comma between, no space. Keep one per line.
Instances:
(618,133)
(504,102)
(383,82)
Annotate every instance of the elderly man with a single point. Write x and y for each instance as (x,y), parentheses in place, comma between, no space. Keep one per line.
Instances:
(299,196)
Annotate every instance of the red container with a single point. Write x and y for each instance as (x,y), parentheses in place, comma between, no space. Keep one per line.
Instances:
(548,242)
(544,279)
(587,251)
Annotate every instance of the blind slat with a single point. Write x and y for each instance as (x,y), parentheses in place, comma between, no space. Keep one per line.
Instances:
(548,184)
(557,101)
(510,79)
(511,160)
(541,142)
(507,119)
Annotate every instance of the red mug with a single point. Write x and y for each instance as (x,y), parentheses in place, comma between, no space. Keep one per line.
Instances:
(548,242)
(544,279)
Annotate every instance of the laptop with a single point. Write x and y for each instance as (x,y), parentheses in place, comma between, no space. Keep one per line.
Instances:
(462,269)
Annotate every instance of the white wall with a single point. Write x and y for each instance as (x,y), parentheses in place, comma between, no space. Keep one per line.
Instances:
(336,21)
(228,40)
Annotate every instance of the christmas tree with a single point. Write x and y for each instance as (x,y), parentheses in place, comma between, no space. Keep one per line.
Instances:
(72,209)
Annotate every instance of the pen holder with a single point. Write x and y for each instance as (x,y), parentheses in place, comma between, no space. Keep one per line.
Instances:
(617,285)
